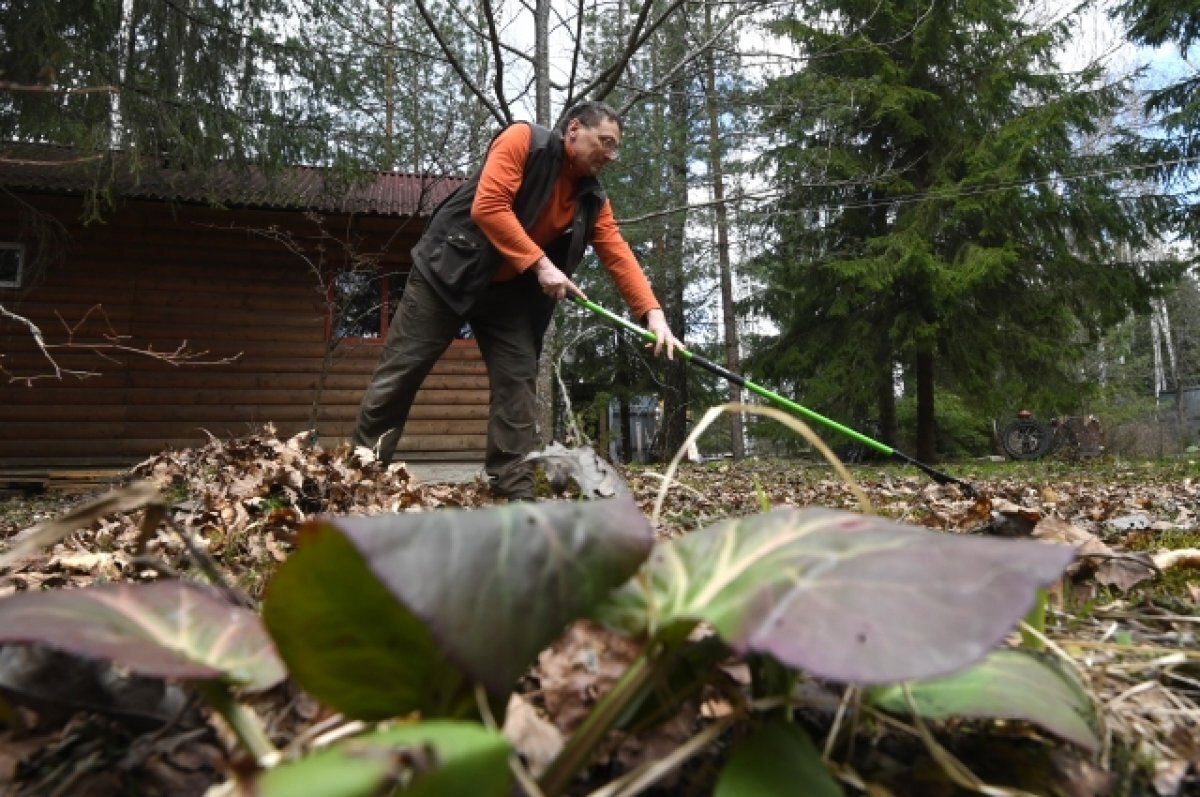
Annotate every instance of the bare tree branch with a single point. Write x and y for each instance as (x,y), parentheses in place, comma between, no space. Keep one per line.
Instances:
(578,44)
(494,39)
(68,162)
(112,343)
(605,82)
(43,88)
(685,61)
(479,33)
(503,117)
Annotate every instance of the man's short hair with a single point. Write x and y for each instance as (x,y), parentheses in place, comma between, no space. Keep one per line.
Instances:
(590,113)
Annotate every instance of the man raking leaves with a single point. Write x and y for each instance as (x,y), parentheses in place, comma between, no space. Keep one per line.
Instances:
(499,254)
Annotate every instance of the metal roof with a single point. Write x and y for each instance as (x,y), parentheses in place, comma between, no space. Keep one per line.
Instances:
(60,170)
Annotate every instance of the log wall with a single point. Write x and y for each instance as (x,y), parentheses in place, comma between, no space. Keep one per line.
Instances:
(159,276)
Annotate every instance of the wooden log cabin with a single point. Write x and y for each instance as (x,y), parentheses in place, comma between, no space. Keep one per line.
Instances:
(243,272)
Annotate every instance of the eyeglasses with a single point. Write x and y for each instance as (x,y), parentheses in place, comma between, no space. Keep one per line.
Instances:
(609,144)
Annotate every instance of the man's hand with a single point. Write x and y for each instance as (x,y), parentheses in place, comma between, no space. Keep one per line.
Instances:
(656,322)
(553,282)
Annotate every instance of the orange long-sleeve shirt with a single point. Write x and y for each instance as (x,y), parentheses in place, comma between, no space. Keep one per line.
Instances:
(492,211)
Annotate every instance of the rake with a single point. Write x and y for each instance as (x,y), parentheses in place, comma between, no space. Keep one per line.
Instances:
(785,403)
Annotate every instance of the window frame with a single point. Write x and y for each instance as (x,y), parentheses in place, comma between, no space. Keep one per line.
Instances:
(382,296)
(19,280)
(387,309)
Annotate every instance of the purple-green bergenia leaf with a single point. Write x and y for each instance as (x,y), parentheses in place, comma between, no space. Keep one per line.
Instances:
(1009,684)
(431,759)
(777,759)
(170,629)
(383,615)
(847,597)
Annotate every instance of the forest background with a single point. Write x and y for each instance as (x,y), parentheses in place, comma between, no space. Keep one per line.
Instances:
(918,216)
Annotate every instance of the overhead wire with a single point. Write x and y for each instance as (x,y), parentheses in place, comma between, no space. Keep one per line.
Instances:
(948,192)
(954,192)
(761,198)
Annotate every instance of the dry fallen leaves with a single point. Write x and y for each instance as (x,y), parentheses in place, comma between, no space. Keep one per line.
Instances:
(238,502)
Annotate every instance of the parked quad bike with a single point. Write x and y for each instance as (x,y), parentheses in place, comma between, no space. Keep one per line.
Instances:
(1072,437)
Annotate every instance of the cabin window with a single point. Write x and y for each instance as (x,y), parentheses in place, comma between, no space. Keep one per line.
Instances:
(362,304)
(12,260)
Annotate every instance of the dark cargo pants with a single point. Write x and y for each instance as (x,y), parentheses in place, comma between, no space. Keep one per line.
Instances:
(422,328)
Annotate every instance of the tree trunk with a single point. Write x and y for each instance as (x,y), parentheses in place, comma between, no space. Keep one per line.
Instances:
(545,378)
(126,54)
(733,360)
(389,81)
(626,429)
(926,431)
(675,397)
(541,49)
(886,397)
(673,112)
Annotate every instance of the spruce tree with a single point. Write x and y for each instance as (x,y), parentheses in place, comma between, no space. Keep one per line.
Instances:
(1176,104)
(191,84)
(936,214)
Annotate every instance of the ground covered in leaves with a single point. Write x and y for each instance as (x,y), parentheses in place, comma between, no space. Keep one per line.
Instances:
(1125,620)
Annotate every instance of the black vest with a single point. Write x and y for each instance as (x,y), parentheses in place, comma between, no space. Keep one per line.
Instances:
(457,258)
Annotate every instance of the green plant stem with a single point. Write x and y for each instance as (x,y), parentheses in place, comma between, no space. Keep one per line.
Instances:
(577,752)
(241,721)
(1036,620)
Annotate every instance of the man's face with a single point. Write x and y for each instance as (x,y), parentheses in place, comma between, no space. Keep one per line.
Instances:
(593,148)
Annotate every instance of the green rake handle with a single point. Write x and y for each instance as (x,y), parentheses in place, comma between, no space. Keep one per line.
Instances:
(775,398)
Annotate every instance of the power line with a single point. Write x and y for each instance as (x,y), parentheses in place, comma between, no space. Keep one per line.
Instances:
(957,192)
(767,195)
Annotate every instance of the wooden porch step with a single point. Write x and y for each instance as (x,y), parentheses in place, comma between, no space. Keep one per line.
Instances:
(59,480)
